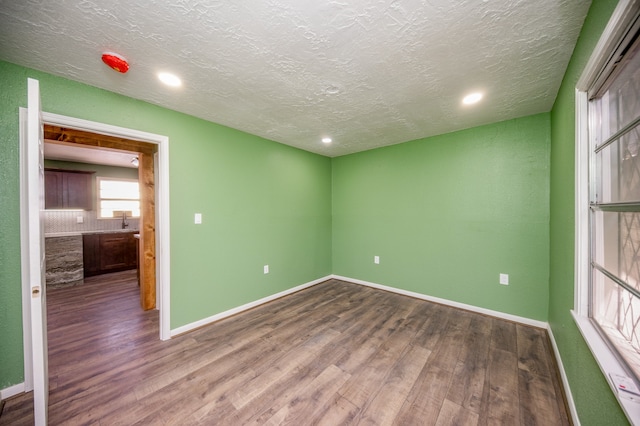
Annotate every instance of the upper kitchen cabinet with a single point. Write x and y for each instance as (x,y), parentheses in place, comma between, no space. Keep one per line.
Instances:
(68,189)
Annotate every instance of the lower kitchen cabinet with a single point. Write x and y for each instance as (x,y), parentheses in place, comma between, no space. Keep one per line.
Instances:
(109,252)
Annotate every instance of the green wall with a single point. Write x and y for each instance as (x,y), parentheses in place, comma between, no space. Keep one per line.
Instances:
(594,400)
(448,214)
(262,203)
(11,353)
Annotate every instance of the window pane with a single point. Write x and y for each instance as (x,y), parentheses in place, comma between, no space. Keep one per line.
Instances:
(617,312)
(128,190)
(618,170)
(630,248)
(117,196)
(617,244)
(614,177)
(624,96)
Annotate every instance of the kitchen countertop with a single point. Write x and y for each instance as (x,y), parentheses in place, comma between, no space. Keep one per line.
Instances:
(102,231)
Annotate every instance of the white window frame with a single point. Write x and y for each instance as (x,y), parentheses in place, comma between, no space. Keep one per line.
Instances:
(99,199)
(605,357)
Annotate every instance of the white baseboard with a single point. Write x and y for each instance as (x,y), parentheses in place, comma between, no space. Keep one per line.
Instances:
(565,380)
(233,311)
(11,391)
(497,314)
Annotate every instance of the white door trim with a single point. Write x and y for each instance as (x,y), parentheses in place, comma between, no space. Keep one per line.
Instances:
(162,217)
(24,254)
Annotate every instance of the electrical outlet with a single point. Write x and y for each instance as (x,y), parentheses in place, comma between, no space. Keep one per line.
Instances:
(376,260)
(197,219)
(79,219)
(266,269)
(504,279)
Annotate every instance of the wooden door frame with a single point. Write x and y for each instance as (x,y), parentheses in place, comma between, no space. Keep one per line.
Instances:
(161,211)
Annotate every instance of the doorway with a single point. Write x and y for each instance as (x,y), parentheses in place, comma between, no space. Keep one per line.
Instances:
(160,208)
(98,145)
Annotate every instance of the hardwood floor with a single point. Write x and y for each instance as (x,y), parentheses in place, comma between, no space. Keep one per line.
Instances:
(336,353)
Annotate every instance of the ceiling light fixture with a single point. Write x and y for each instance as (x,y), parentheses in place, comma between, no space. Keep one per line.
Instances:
(472,98)
(115,62)
(135,161)
(326,140)
(169,79)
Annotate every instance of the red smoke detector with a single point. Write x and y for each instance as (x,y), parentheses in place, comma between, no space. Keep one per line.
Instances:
(115,61)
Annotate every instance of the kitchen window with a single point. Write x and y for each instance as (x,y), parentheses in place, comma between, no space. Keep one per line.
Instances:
(118,196)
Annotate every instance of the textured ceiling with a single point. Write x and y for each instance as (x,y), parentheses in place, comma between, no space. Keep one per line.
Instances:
(367,73)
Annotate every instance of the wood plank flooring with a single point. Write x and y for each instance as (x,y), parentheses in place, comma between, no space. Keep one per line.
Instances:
(336,353)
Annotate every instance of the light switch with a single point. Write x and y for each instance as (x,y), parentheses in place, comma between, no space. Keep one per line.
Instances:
(376,260)
(266,269)
(504,279)
(198,218)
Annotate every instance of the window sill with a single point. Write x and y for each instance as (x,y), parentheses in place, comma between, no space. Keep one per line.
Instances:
(608,364)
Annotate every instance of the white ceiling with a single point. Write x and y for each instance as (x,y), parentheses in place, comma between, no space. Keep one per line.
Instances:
(86,154)
(367,73)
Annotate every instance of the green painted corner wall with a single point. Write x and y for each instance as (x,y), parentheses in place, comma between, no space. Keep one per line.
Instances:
(262,203)
(593,398)
(448,214)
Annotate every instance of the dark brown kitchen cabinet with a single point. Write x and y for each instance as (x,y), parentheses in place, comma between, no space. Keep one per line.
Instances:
(109,252)
(91,254)
(68,189)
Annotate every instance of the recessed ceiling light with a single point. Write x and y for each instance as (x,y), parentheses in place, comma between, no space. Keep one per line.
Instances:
(169,79)
(472,98)
(326,140)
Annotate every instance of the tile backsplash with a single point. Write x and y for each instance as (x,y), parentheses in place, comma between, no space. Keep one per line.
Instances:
(59,221)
